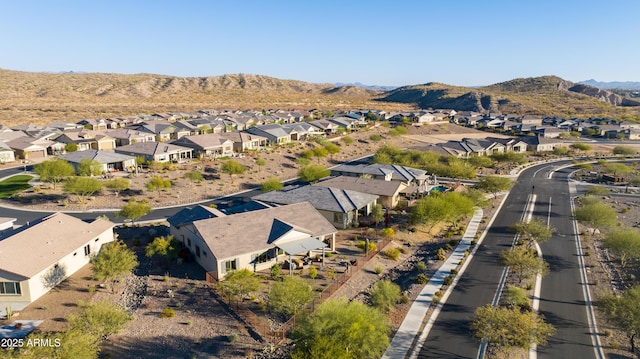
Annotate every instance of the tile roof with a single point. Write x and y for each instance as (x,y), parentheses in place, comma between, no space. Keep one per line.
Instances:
(102,157)
(364,185)
(30,249)
(197,213)
(151,148)
(207,141)
(253,231)
(322,198)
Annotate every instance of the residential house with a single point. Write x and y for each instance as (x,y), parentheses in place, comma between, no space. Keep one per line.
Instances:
(303,130)
(163,130)
(27,148)
(340,207)
(96,124)
(184,128)
(388,192)
(38,256)
(530,120)
(511,144)
(156,151)
(211,145)
(542,144)
(128,136)
(243,141)
(6,153)
(326,126)
(109,161)
(548,132)
(415,179)
(227,243)
(623,134)
(87,139)
(345,122)
(275,134)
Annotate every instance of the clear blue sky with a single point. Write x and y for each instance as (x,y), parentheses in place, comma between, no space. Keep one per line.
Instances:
(465,43)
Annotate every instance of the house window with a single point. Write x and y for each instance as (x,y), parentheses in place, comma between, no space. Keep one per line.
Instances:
(262,257)
(230,265)
(10,288)
(204,253)
(87,250)
(189,242)
(197,251)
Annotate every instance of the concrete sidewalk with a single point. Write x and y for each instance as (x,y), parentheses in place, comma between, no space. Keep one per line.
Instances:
(402,342)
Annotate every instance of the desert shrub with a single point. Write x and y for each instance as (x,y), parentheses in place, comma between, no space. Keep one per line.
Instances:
(385,295)
(422,279)
(375,138)
(392,253)
(388,233)
(372,246)
(448,280)
(168,313)
(275,270)
(378,270)
(440,254)
(420,266)
(313,272)
(232,337)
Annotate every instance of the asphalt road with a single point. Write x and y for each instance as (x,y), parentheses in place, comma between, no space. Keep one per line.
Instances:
(561,298)
(562,301)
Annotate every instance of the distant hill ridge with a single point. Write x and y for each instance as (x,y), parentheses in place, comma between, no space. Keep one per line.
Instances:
(28,97)
(623,85)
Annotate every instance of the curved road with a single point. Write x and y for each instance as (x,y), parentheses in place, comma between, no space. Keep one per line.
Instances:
(562,299)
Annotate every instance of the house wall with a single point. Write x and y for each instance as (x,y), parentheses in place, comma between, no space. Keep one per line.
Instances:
(7,156)
(24,286)
(192,240)
(71,263)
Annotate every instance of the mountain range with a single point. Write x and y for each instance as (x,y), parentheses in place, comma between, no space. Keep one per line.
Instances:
(29,97)
(622,85)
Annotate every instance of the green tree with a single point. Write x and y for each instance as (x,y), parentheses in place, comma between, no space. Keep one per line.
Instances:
(332,148)
(100,319)
(533,231)
(494,184)
(624,150)
(163,247)
(320,152)
(312,173)
(517,297)
(271,184)
(580,147)
(560,151)
(117,185)
(134,210)
(377,213)
(510,328)
(70,147)
(194,176)
(157,183)
(385,295)
(240,283)
(512,157)
(260,162)
(524,262)
(232,167)
(625,242)
(447,207)
(619,168)
(82,187)
(289,296)
(342,329)
(624,311)
(481,161)
(89,167)
(113,260)
(347,140)
(596,214)
(54,171)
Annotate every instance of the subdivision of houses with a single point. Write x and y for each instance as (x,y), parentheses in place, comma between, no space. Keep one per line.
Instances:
(255,240)
(37,256)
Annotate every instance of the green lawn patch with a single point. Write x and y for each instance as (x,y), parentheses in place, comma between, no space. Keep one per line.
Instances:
(14,184)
